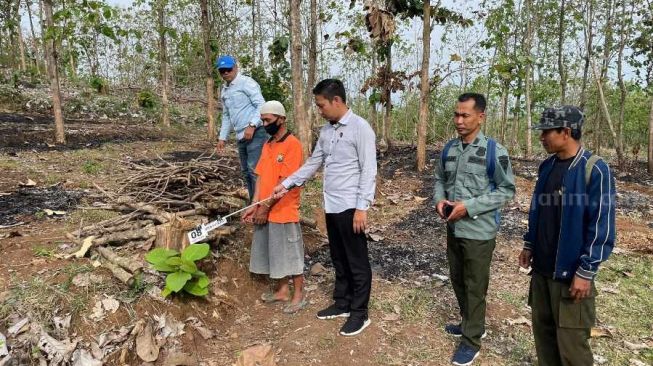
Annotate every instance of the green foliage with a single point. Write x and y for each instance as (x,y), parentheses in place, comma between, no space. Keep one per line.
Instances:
(91,167)
(147,99)
(278,49)
(181,268)
(99,84)
(272,86)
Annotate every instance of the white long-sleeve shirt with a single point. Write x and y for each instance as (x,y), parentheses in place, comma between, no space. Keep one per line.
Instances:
(347,150)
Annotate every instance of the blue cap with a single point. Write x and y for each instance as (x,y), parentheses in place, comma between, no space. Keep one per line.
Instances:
(225,62)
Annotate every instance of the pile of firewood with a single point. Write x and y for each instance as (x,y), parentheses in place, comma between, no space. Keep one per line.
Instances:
(158,204)
(182,185)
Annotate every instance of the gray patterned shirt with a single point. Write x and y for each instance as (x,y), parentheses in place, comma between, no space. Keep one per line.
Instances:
(347,150)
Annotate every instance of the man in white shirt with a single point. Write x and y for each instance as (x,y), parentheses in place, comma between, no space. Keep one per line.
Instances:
(346,148)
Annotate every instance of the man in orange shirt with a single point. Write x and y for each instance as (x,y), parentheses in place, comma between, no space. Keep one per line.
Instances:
(277,246)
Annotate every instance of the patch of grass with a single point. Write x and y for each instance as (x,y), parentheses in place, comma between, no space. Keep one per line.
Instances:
(39,214)
(629,311)
(518,300)
(71,271)
(52,178)
(8,164)
(43,252)
(91,167)
(522,350)
(414,304)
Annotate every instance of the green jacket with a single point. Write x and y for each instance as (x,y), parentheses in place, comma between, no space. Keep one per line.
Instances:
(465,179)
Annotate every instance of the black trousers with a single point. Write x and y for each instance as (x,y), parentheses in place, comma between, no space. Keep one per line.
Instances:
(351,262)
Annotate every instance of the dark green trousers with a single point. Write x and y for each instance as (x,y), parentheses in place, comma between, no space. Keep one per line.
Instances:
(469,268)
(560,326)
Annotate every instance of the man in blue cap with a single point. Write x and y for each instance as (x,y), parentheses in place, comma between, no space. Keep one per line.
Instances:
(571,231)
(241,103)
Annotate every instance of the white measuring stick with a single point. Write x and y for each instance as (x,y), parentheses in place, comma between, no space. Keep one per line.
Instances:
(201,232)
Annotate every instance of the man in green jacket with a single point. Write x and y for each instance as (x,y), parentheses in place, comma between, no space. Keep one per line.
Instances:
(473,180)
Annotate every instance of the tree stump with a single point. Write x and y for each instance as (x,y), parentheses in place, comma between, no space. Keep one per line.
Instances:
(172,235)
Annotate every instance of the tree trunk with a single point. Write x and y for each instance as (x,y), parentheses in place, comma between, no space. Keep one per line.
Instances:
(620,74)
(589,40)
(561,40)
(504,111)
(261,57)
(53,73)
(374,118)
(299,109)
(527,88)
(163,56)
(515,125)
(312,67)
(35,45)
(253,44)
(650,139)
(387,117)
(424,88)
(19,34)
(210,102)
(608,118)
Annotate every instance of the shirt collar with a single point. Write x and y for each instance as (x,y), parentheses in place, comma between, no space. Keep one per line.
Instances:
(477,141)
(344,120)
(282,139)
(235,80)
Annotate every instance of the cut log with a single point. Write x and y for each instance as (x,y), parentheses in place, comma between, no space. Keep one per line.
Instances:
(126,263)
(97,231)
(119,273)
(172,235)
(125,236)
(90,229)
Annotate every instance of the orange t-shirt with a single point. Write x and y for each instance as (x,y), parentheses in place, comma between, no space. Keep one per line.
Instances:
(279,159)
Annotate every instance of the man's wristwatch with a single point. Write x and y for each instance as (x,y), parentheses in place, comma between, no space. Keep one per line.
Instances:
(252,124)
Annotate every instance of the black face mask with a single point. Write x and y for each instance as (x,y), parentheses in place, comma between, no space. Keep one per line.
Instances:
(272,128)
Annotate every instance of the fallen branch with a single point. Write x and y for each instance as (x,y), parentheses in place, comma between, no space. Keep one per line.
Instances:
(119,273)
(126,263)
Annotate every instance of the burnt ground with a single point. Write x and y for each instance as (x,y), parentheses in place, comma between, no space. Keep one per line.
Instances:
(23,204)
(36,133)
(409,304)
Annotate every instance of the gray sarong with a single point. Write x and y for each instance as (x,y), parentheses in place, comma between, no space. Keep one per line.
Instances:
(277,250)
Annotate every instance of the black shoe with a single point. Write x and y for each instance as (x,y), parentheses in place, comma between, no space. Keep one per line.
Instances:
(332,312)
(354,325)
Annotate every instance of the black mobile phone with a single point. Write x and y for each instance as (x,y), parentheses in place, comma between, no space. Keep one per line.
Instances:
(448,209)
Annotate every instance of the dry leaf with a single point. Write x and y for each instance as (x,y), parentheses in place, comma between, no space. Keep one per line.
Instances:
(636,346)
(53,212)
(260,355)
(146,348)
(392,317)
(601,332)
(19,327)
(180,359)
(82,357)
(520,321)
(375,237)
(419,199)
(29,183)
(317,269)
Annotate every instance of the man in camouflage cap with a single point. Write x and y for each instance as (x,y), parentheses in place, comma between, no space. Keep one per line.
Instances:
(565,116)
(571,230)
